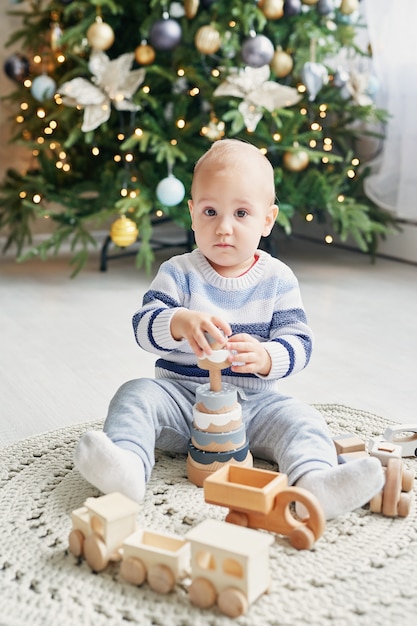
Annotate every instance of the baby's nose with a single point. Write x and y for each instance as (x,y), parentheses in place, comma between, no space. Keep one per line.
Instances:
(224,225)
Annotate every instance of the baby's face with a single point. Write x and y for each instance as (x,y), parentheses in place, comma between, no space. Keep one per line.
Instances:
(231,210)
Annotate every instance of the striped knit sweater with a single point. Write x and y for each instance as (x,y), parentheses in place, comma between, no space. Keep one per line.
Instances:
(264,302)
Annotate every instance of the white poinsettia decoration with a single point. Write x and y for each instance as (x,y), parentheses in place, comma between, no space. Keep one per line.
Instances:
(112,83)
(357,87)
(257,93)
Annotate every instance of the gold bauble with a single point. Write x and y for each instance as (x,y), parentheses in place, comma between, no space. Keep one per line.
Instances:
(191,8)
(207,40)
(309,2)
(272,9)
(349,6)
(296,161)
(145,54)
(282,63)
(100,35)
(123,232)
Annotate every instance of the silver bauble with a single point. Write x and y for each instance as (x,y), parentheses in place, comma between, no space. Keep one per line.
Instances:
(165,34)
(257,51)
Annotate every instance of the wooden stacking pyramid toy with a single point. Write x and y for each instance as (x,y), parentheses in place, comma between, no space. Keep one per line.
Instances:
(218,435)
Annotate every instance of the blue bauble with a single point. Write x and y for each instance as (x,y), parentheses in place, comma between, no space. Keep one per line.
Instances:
(43,87)
(170,191)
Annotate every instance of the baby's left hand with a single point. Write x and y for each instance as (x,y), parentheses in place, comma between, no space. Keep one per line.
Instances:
(251,357)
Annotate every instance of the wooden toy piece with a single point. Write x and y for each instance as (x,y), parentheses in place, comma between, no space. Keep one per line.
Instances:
(229,565)
(217,361)
(393,501)
(160,558)
(100,527)
(347,443)
(383,450)
(224,441)
(404,435)
(351,456)
(261,499)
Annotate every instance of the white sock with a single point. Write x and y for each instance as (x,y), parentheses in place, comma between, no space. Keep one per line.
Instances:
(345,487)
(109,467)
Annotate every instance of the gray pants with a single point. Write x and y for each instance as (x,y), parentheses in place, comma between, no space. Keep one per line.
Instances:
(157,413)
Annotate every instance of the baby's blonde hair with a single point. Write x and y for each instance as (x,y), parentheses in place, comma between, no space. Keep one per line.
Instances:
(229,153)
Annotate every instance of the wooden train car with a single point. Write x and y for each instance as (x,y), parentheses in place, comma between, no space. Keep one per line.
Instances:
(161,559)
(100,527)
(229,566)
(260,498)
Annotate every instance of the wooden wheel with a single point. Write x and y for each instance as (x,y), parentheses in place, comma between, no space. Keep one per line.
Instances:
(95,553)
(232,602)
(238,518)
(133,570)
(161,578)
(202,593)
(392,489)
(302,538)
(76,542)
(407,479)
(287,523)
(375,504)
(404,504)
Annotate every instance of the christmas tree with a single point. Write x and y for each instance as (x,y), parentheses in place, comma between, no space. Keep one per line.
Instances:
(117,100)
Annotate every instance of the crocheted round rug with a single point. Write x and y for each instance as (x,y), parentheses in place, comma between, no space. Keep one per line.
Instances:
(361,571)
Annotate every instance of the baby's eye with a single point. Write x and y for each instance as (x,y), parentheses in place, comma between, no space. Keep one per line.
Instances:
(209,212)
(241,213)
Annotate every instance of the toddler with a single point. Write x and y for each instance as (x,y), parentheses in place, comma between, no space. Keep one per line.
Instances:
(250,303)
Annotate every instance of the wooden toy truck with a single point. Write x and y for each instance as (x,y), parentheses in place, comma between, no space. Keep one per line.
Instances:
(404,435)
(260,498)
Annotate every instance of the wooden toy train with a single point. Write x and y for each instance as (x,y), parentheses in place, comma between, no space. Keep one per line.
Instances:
(223,563)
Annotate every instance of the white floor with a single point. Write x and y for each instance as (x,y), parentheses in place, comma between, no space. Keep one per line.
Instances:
(67,344)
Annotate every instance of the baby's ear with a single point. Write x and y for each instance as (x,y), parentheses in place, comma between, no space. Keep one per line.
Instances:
(190,208)
(270,218)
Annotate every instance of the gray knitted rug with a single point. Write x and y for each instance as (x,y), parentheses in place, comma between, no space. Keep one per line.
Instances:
(361,572)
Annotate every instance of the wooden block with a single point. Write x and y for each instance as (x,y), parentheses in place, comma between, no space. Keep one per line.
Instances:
(348,443)
(351,456)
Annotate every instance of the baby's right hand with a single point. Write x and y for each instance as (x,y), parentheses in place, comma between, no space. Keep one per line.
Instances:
(192,326)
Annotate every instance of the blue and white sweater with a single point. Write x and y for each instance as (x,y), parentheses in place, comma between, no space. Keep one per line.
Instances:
(265,302)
